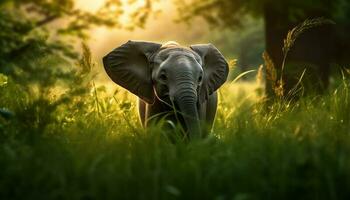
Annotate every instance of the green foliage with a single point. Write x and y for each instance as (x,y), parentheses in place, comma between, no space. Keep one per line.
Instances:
(3,80)
(87,143)
(37,36)
(227,13)
(222,13)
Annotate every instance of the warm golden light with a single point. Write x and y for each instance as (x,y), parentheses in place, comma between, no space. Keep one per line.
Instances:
(113,8)
(126,6)
(89,5)
(159,28)
(94,5)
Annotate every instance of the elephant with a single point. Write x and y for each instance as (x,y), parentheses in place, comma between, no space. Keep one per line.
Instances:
(169,78)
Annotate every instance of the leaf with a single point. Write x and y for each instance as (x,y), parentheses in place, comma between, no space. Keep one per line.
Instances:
(172,190)
(3,80)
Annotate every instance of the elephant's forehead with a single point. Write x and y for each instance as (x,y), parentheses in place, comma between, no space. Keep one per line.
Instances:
(175,52)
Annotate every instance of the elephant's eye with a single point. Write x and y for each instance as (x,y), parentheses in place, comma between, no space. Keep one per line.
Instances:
(200,78)
(163,77)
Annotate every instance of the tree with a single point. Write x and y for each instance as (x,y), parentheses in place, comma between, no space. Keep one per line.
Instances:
(37,36)
(314,50)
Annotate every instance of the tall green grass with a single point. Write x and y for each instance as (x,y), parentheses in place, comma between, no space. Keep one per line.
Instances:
(88,144)
(80,141)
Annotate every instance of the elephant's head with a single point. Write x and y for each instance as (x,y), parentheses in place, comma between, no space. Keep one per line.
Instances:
(180,76)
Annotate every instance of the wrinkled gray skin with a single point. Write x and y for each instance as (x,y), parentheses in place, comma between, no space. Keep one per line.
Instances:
(171,77)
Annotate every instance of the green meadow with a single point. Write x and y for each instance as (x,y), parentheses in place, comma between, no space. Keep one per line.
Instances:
(87,143)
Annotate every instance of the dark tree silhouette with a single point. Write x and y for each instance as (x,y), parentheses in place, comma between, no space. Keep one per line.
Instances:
(315,50)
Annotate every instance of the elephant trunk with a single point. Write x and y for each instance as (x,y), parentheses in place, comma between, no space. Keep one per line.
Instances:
(186,100)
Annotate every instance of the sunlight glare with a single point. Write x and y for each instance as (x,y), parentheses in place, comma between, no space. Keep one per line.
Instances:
(113,8)
(90,5)
(128,7)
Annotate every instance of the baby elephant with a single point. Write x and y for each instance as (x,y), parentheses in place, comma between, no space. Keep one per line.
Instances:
(169,78)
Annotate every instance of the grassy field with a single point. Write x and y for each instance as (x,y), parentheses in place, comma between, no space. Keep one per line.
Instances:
(88,144)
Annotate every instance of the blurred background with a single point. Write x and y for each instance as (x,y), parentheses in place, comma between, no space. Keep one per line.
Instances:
(68,132)
(41,39)
(164,24)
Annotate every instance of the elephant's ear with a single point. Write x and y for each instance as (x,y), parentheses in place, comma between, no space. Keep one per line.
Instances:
(129,67)
(215,69)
